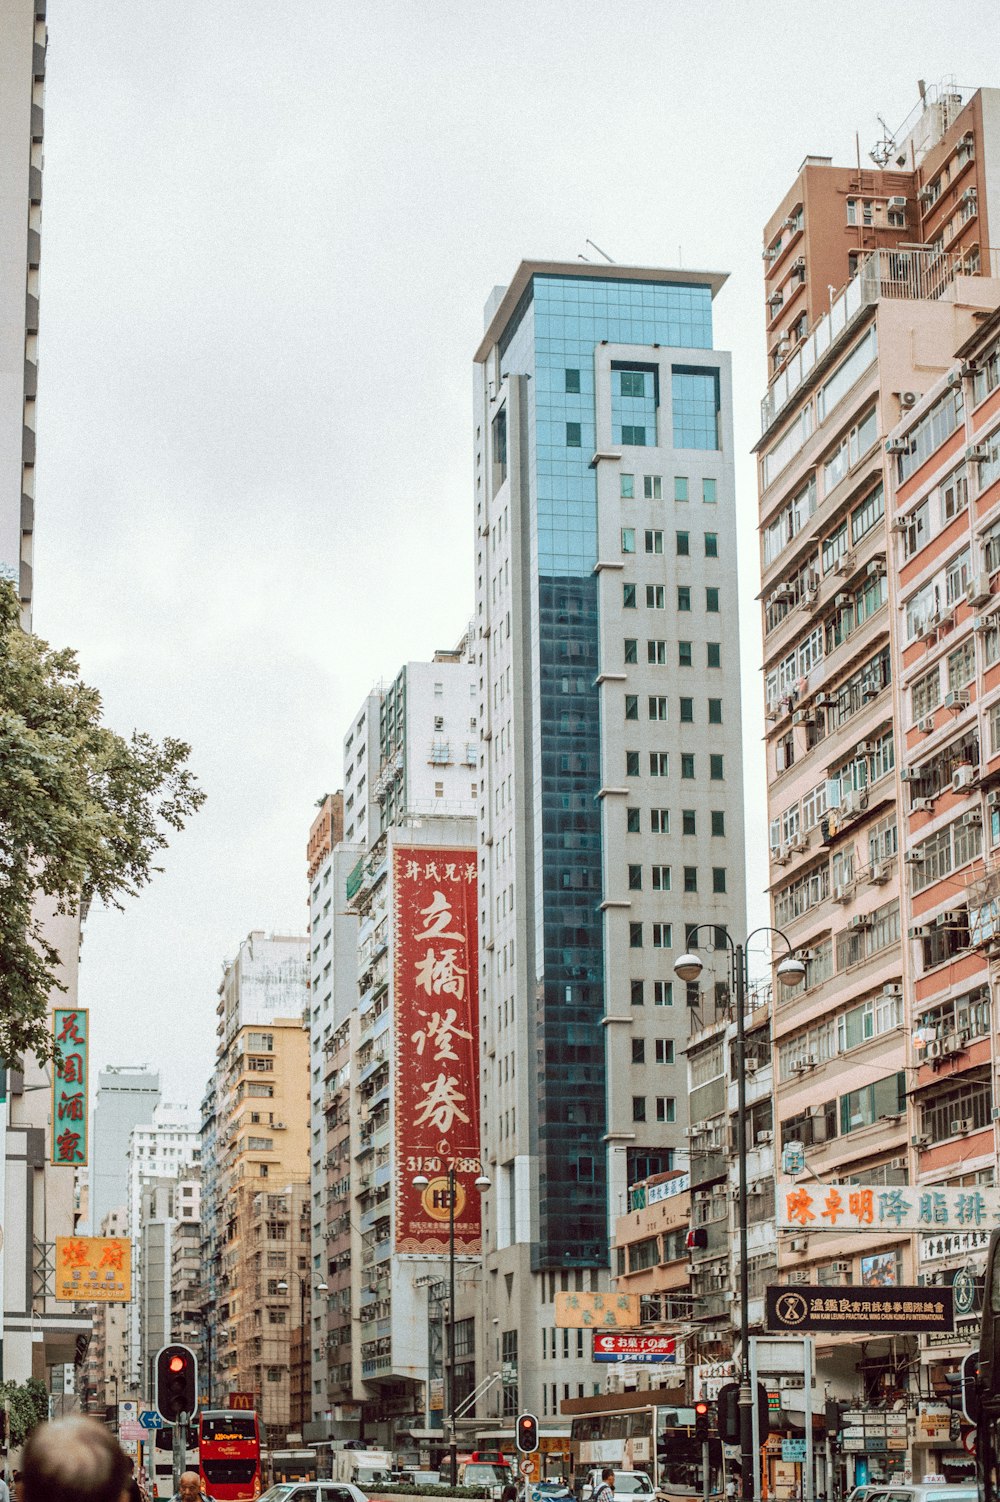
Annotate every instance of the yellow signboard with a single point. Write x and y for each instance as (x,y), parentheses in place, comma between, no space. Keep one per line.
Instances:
(93,1269)
(597,1311)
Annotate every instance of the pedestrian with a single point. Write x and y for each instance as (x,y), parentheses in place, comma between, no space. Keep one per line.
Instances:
(72,1460)
(4,1490)
(189,1489)
(604,1491)
(134,1490)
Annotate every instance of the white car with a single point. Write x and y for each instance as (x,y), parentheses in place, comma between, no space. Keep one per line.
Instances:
(628,1486)
(314,1491)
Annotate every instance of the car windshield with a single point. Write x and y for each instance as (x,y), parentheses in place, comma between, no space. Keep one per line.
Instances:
(483,1475)
(277,1493)
(632,1482)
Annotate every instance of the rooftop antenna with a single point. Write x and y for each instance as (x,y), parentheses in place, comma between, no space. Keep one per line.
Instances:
(883,149)
(600,252)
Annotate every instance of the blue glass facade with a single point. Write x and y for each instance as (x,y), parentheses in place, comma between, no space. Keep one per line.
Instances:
(551,337)
(695,408)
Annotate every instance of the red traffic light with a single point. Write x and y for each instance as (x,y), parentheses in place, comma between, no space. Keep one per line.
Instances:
(177,1363)
(701,1409)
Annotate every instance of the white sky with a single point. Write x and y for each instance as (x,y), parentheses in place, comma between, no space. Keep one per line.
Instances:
(269,231)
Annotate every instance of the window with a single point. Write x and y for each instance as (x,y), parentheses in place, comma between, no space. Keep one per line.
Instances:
(687,765)
(680,487)
(695,401)
(664,1050)
(573,381)
(687,711)
(628,487)
(656,653)
(638,1050)
(633,823)
(659,763)
(631,649)
(666,1108)
(715,711)
(683,597)
(712,600)
(709,491)
(684,656)
(714,654)
(662,936)
(711,544)
(628,539)
(654,541)
(659,821)
(715,771)
(631,764)
(631,706)
(655,597)
(652,487)
(660,876)
(663,993)
(638,1108)
(638,993)
(635,935)
(628,596)
(718,878)
(572,435)
(688,821)
(718,822)
(683,544)
(930,432)
(657,707)
(690,878)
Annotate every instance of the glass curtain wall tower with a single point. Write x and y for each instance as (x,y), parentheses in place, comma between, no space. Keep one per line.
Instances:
(611,785)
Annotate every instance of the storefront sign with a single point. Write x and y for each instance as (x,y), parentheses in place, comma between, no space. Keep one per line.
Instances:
(838,1207)
(639,1348)
(793,1450)
(597,1311)
(93,1269)
(955,1244)
(871,1310)
(933,1422)
(436,1015)
(70,1077)
(709,1376)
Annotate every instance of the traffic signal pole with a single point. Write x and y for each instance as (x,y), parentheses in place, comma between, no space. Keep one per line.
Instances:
(180,1449)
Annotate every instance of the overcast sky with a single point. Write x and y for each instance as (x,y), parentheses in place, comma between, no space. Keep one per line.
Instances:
(269,231)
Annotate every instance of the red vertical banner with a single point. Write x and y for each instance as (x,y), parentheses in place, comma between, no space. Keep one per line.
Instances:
(436,1030)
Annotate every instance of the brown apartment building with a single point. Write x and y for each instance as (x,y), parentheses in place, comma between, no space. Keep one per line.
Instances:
(874,278)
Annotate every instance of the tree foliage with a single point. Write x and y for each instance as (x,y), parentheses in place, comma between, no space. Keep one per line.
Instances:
(27,1406)
(83,813)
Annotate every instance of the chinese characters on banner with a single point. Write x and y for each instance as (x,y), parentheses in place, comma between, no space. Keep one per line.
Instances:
(839,1207)
(642,1348)
(93,1269)
(69,1086)
(436,1016)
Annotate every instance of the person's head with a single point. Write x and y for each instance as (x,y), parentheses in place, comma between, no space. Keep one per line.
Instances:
(608,1475)
(189,1487)
(73,1460)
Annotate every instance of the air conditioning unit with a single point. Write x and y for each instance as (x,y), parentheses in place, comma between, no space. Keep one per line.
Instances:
(867,748)
(764,1138)
(961,1126)
(803,717)
(921,931)
(798,1243)
(972,820)
(897,202)
(781,856)
(977,453)
(897,446)
(921,806)
(933,1049)
(842,892)
(919,1140)
(910,774)
(826,701)
(842,601)
(892,990)
(798,1277)
(926,724)
(993,798)
(800,844)
(977,591)
(878,874)
(963,778)
(841,1267)
(908,399)
(950,1044)
(844,564)
(958,699)
(876,568)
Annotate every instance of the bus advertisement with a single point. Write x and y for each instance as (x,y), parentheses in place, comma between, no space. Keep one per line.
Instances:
(229,1454)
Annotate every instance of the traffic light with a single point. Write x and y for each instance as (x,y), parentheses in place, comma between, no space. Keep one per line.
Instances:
(527,1434)
(968,1390)
(176,1383)
(727,1406)
(701,1413)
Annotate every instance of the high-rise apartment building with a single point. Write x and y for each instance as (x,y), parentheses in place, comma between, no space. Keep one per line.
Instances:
(254,1200)
(159,1152)
(610,779)
(873,668)
(22,84)
(126,1098)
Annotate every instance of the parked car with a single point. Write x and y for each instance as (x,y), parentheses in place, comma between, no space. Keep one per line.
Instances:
(925,1491)
(484,1477)
(314,1491)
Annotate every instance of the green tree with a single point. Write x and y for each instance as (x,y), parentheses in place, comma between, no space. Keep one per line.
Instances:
(27,1406)
(83,813)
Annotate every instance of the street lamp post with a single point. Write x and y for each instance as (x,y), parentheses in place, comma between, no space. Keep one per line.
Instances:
(320,1287)
(421,1181)
(689,967)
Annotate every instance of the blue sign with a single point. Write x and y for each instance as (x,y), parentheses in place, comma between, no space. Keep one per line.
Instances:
(149,1419)
(793,1449)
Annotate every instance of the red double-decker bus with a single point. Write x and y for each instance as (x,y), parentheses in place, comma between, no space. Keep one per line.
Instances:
(229,1454)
